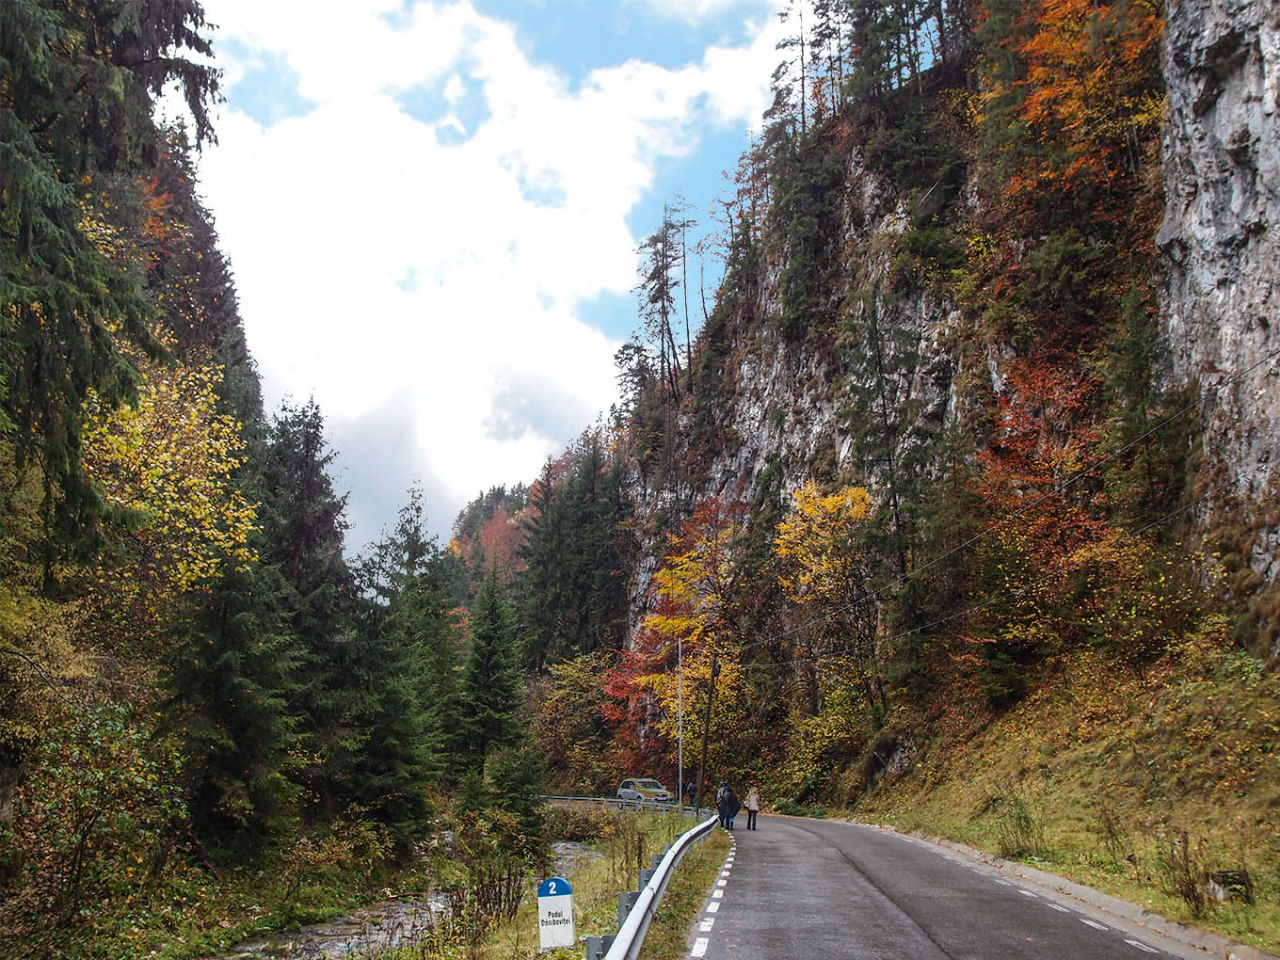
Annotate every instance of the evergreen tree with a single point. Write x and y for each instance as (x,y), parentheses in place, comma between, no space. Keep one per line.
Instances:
(305,522)
(77,86)
(578,556)
(233,677)
(408,575)
(383,719)
(491,680)
(303,534)
(662,254)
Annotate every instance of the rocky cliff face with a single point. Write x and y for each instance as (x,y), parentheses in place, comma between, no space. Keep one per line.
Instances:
(792,410)
(790,415)
(1222,301)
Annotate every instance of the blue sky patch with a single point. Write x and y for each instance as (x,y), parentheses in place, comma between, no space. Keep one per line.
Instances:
(578,36)
(453,102)
(268,91)
(542,187)
(614,314)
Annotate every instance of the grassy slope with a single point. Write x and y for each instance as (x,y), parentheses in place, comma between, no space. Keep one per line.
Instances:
(622,840)
(1097,774)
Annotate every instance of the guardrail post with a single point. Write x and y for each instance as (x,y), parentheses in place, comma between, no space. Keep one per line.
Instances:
(656,858)
(597,947)
(626,900)
(645,877)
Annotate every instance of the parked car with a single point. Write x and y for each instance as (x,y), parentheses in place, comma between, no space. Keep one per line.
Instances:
(638,788)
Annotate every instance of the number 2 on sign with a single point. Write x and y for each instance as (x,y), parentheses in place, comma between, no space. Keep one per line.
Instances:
(552,888)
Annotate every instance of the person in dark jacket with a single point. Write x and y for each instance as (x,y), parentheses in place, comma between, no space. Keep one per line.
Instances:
(729,808)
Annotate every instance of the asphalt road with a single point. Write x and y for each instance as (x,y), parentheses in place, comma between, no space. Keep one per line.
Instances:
(814,890)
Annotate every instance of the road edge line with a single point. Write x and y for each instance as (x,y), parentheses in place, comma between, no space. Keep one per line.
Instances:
(1189,936)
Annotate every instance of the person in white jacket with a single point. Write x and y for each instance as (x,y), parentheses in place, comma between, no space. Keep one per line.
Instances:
(753,806)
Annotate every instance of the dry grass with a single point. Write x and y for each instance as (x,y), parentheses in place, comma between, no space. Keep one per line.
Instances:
(1137,785)
(622,841)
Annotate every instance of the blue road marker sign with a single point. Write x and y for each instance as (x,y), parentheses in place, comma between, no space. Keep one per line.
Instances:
(555,913)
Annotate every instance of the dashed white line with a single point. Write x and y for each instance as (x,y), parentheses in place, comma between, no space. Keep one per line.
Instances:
(706,925)
(713,908)
(717,893)
(700,947)
(1091,923)
(1025,893)
(722,883)
(1059,908)
(1003,883)
(724,873)
(1141,946)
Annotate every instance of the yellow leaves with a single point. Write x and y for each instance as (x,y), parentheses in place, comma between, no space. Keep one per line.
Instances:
(816,542)
(166,462)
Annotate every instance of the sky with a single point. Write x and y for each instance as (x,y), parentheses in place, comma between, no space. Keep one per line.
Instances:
(432,212)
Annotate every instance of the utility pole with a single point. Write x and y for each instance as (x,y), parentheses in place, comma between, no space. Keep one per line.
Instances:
(706,732)
(680,722)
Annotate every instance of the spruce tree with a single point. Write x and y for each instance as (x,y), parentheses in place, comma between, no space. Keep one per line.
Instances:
(491,680)
(578,556)
(233,677)
(304,535)
(388,774)
(407,574)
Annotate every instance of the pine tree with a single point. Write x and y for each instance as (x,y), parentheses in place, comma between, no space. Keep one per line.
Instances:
(384,716)
(408,575)
(491,680)
(233,678)
(303,534)
(578,554)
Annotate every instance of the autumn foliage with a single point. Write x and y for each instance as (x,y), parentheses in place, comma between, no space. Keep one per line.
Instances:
(165,464)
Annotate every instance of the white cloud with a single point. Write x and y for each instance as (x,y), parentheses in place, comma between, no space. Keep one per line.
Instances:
(380,262)
(695,11)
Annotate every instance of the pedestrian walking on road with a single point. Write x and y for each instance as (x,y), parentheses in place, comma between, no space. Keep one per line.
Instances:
(753,806)
(722,791)
(731,805)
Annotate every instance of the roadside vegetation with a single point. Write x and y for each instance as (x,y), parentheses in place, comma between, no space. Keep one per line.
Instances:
(1161,788)
(608,849)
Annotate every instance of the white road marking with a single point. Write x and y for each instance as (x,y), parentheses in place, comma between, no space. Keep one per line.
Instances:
(1141,946)
(1025,893)
(713,908)
(724,873)
(1003,883)
(700,947)
(1091,923)
(722,883)
(706,925)
(1059,908)
(717,893)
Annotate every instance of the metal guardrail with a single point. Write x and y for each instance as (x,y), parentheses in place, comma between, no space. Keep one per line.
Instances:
(630,938)
(636,910)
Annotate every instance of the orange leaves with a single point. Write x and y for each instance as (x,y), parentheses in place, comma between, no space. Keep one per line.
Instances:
(693,606)
(698,577)
(1042,431)
(1088,92)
